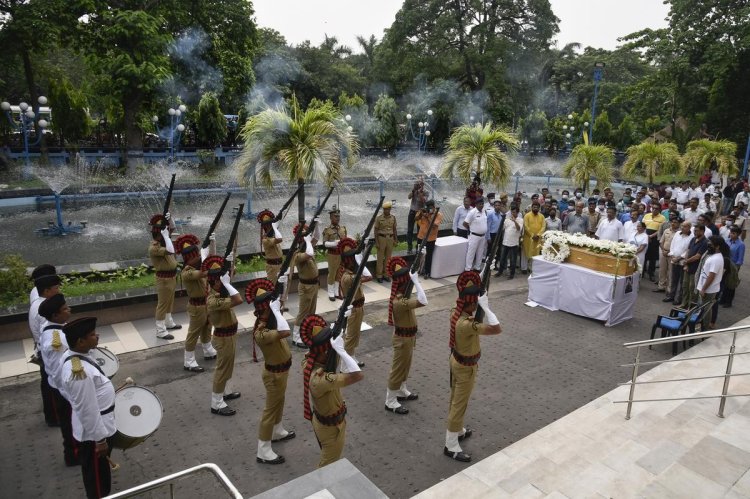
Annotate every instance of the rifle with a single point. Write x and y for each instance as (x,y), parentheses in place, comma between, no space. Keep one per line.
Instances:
(212,228)
(341,320)
(232,238)
(486,271)
(279,288)
(368,229)
(418,256)
(168,201)
(280,215)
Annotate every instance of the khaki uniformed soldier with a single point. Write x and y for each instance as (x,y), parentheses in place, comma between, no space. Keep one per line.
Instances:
(465,353)
(349,264)
(385,238)
(271,239)
(222,297)
(92,399)
(401,315)
(196,285)
(307,272)
(323,389)
(331,236)
(161,253)
(270,332)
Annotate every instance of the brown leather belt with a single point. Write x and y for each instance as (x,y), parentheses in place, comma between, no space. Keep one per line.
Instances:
(334,419)
(385,235)
(279,368)
(478,235)
(406,332)
(358,303)
(166,274)
(197,301)
(466,360)
(309,281)
(226,331)
(273,261)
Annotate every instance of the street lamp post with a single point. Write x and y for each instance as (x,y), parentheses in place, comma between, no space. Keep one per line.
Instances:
(175,125)
(598,75)
(423,132)
(28,117)
(518,176)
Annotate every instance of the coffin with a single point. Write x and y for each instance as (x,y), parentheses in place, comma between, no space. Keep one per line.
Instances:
(601,262)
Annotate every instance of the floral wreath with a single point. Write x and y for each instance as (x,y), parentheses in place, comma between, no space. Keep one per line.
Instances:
(555,249)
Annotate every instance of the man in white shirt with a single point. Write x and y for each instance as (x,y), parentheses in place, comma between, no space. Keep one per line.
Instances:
(47,286)
(459,216)
(691,214)
(707,204)
(476,223)
(677,253)
(53,347)
(743,196)
(709,278)
(513,229)
(610,228)
(92,399)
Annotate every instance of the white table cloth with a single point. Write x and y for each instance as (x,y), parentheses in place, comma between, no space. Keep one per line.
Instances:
(581,291)
(449,256)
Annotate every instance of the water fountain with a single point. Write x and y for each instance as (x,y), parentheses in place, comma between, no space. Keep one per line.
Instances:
(58,179)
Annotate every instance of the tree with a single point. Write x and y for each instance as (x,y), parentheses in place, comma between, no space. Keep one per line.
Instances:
(211,124)
(587,161)
(386,122)
(71,121)
(625,135)
(602,129)
(481,146)
(703,155)
(303,146)
(650,159)
(533,129)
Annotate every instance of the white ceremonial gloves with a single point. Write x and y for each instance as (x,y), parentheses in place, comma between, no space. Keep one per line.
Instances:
(309,250)
(282,279)
(421,296)
(230,257)
(167,241)
(365,271)
(484,302)
(225,281)
(348,312)
(204,253)
(276,232)
(348,364)
(281,323)
(331,244)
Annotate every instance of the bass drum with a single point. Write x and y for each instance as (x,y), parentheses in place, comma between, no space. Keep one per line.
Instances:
(138,413)
(106,360)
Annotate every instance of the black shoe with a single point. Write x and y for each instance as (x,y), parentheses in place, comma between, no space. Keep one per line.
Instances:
(524,272)
(284,309)
(73,461)
(331,298)
(232,396)
(194,369)
(658,290)
(497,274)
(380,280)
(210,357)
(176,326)
(278,460)
(427,276)
(224,411)
(411,396)
(458,456)
(299,345)
(360,364)
(289,436)
(512,276)
(667,299)
(398,410)
(469,432)
(387,279)
(53,424)
(165,336)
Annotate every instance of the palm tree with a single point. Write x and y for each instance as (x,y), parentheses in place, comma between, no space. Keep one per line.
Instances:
(703,154)
(479,146)
(301,145)
(588,161)
(650,159)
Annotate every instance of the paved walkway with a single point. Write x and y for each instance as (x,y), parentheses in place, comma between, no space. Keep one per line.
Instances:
(669,449)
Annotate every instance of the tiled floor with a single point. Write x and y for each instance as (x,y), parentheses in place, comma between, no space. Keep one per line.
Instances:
(139,335)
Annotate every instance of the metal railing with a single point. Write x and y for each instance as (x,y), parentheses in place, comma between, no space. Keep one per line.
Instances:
(685,337)
(170,480)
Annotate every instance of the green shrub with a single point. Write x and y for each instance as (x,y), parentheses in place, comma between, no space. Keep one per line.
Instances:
(14,282)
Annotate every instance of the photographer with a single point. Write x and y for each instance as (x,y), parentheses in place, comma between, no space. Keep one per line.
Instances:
(418,197)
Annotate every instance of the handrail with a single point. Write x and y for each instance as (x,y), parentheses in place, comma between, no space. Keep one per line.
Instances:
(685,337)
(170,479)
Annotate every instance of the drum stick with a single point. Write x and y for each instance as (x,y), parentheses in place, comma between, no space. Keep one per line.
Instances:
(113,465)
(128,381)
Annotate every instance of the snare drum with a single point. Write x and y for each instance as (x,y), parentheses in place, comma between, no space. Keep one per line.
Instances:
(106,360)
(138,413)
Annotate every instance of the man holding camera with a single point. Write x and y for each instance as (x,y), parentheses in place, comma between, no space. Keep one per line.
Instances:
(418,197)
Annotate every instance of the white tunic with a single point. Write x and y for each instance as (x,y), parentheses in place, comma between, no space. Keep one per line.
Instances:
(477,221)
(88,397)
(36,321)
(52,356)
(610,230)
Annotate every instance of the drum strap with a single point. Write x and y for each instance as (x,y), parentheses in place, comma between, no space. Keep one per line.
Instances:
(86,359)
(108,410)
(52,326)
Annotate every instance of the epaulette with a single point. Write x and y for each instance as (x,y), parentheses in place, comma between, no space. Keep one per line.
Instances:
(77,368)
(56,342)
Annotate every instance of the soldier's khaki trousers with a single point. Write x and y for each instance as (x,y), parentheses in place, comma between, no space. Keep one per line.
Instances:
(165,287)
(275,384)
(334,262)
(353,327)
(272,272)
(331,440)
(385,249)
(199,327)
(308,300)
(462,384)
(225,348)
(403,347)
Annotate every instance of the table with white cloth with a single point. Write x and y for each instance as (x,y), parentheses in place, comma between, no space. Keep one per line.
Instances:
(581,291)
(449,256)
